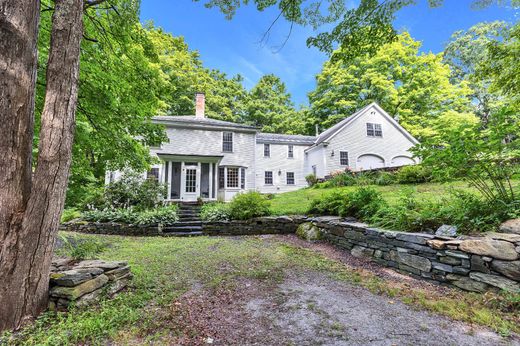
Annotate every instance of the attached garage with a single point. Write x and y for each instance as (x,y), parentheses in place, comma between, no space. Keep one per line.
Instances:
(369,161)
(402,161)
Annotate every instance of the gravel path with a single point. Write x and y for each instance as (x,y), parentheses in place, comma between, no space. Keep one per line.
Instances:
(311,308)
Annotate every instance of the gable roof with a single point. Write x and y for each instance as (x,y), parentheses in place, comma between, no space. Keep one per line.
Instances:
(193,121)
(284,139)
(331,132)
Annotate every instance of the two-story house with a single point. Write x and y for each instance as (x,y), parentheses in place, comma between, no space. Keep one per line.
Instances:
(214,160)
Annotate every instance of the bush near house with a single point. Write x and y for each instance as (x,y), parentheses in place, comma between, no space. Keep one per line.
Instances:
(134,191)
(217,211)
(161,215)
(249,205)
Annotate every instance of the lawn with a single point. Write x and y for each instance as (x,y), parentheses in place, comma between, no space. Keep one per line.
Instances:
(166,269)
(297,202)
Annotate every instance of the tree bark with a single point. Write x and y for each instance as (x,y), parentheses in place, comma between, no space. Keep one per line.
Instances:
(30,208)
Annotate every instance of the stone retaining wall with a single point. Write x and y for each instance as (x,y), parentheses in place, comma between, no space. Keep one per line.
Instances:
(85,282)
(470,263)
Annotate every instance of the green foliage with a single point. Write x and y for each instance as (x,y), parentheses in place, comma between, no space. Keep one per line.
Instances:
(469,212)
(79,248)
(465,53)
(134,191)
(70,214)
(269,107)
(161,215)
(331,204)
(413,86)
(311,179)
(360,203)
(414,174)
(487,158)
(215,212)
(248,205)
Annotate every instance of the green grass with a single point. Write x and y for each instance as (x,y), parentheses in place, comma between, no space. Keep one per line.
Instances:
(298,202)
(165,268)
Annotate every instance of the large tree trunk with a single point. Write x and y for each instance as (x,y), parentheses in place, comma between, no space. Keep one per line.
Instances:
(29,215)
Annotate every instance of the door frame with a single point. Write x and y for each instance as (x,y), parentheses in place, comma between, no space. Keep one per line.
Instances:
(190,196)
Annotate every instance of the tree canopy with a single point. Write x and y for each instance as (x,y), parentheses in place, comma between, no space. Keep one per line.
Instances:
(413,86)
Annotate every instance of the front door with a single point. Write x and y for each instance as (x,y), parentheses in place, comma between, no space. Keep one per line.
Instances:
(191,183)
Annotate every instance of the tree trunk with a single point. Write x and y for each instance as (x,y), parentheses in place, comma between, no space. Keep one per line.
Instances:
(30,213)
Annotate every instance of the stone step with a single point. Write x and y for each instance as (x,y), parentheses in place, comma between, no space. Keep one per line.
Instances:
(176,229)
(184,234)
(188,223)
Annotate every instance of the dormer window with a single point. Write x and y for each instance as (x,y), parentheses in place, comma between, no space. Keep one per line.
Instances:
(227,142)
(374,130)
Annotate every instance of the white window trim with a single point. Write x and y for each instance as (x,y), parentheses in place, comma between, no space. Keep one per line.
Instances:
(287,178)
(272,178)
(240,168)
(374,130)
(348,158)
(232,142)
(290,151)
(267,145)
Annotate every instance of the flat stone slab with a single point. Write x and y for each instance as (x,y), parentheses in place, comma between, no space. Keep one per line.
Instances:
(497,281)
(489,247)
(511,269)
(74,277)
(510,237)
(511,226)
(73,293)
(105,265)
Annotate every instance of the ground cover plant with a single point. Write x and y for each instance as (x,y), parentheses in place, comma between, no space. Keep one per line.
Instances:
(166,270)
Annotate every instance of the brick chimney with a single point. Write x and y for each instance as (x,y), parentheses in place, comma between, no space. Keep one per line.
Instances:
(200,103)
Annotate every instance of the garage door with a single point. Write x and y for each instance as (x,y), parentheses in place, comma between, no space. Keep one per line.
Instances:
(370,161)
(402,161)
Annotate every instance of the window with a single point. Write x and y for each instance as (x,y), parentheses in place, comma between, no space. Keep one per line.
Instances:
(221,172)
(191,180)
(153,174)
(343,158)
(374,130)
(290,151)
(379,130)
(232,177)
(267,150)
(268,179)
(290,178)
(227,142)
(242,178)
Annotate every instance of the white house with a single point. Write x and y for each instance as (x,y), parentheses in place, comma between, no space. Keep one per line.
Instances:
(214,160)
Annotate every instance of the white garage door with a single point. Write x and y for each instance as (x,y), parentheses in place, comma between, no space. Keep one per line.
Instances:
(402,161)
(370,161)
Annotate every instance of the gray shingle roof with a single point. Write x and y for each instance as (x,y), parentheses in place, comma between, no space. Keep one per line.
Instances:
(285,139)
(192,120)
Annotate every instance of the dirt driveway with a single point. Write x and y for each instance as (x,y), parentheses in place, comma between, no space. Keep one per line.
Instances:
(308,307)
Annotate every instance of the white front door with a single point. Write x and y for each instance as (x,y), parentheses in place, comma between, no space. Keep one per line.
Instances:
(190,183)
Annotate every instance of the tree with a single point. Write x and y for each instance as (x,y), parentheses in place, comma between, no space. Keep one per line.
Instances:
(269,107)
(363,27)
(464,54)
(32,201)
(414,87)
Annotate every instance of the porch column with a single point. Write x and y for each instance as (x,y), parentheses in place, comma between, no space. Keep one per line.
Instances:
(210,178)
(170,169)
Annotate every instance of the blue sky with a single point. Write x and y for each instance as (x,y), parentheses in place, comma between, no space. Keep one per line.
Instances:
(234,46)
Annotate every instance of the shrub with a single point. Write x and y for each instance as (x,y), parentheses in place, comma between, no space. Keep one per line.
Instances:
(311,179)
(215,212)
(385,178)
(330,204)
(414,174)
(80,249)
(360,203)
(342,179)
(363,202)
(248,205)
(134,191)
(70,214)
(163,215)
